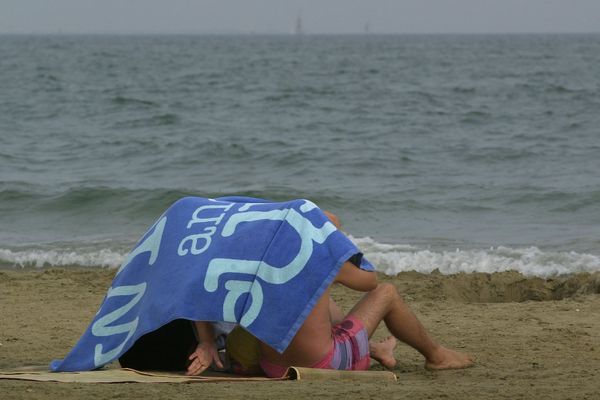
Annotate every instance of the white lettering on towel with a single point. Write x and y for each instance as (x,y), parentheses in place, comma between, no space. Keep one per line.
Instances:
(308,234)
(102,326)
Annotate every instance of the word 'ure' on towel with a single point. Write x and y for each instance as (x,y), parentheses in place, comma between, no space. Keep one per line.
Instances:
(252,262)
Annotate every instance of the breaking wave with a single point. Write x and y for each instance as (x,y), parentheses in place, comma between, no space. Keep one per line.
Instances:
(60,258)
(390,259)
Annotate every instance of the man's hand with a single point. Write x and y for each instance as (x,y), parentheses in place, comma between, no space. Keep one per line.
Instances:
(202,358)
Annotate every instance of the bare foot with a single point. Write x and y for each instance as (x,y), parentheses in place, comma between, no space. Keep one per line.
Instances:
(383,351)
(444,358)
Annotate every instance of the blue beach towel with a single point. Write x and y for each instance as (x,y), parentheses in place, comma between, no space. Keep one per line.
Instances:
(260,264)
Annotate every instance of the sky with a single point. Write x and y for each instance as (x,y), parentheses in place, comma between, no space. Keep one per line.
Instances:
(318,16)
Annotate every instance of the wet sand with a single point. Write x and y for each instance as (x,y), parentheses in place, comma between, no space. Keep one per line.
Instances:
(532,338)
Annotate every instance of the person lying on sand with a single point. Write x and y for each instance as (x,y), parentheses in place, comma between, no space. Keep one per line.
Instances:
(328,340)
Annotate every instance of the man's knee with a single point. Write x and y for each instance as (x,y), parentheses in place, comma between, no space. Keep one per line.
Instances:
(388,290)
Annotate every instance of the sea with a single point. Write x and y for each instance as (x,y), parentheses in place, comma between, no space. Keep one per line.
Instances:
(439,153)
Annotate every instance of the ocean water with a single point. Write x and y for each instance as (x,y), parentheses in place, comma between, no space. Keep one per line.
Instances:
(460,153)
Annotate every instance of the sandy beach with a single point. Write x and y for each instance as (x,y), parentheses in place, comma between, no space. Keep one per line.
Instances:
(532,338)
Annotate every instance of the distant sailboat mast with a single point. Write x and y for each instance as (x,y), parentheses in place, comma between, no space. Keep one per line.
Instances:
(298,28)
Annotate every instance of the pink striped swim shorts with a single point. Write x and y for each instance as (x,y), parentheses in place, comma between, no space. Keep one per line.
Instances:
(350,350)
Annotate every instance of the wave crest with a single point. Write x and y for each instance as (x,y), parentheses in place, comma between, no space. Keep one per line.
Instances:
(392,259)
(389,259)
(60,258)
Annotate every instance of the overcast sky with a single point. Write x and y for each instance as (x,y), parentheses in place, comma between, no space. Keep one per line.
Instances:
(279,16)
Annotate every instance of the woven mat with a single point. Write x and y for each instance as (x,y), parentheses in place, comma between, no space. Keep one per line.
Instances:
(125,375)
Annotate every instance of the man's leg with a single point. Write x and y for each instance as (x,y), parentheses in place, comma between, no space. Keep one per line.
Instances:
(384,303)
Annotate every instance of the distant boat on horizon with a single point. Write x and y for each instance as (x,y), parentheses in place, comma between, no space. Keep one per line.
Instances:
(298,30)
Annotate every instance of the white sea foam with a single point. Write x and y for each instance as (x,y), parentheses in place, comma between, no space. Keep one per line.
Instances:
(530,261)
(58,258)
(387,258)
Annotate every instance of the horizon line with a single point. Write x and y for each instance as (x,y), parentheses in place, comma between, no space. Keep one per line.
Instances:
(258,33)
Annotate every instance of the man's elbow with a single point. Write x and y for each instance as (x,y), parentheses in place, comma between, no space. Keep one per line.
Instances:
(368,283)
(371,284)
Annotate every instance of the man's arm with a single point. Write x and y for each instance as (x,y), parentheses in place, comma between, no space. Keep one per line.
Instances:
(206,352)
(355,278)
(333,218)
(350,275)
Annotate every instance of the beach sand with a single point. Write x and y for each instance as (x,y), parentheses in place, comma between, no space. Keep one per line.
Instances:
(532,338)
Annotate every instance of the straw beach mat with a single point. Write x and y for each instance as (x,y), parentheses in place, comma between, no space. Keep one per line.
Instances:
(126,375)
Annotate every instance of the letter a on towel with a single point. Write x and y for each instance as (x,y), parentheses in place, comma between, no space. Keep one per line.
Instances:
(260,264)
